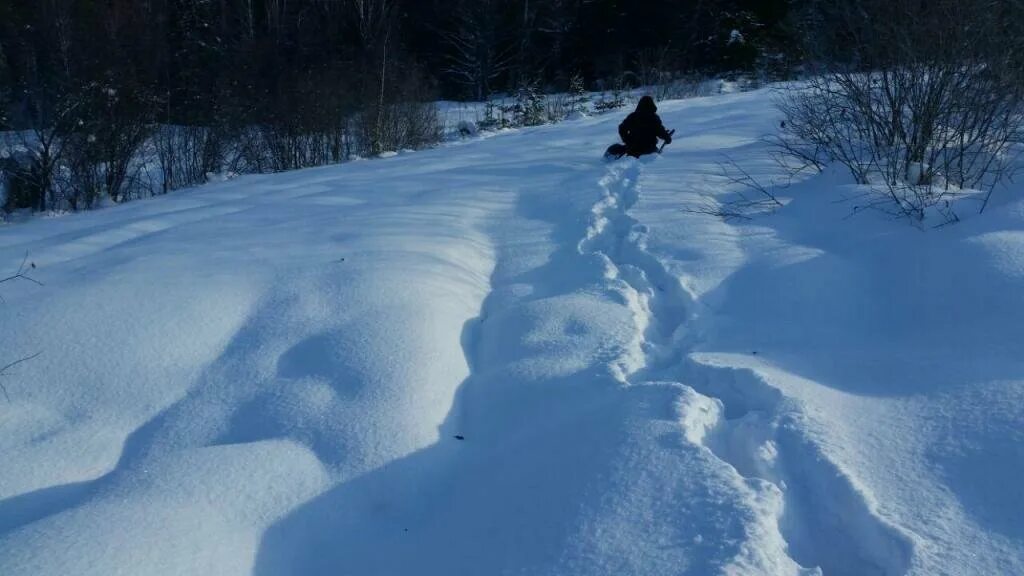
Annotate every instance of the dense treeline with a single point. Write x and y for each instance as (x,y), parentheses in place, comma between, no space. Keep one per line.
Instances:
(113,99)
(97,89)
(202,57)
(256,85)
(478,46)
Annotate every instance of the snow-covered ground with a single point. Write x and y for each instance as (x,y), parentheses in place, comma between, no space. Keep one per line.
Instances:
(507,357)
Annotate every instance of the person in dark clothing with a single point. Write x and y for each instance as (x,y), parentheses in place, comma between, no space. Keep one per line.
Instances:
(641,129)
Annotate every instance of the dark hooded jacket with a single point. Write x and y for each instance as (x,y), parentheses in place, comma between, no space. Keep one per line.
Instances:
(641,129)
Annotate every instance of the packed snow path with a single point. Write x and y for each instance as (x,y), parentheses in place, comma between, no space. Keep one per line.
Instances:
(507,357)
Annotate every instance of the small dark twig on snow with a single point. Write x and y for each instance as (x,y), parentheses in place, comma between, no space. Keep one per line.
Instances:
(4,371)
(23,272)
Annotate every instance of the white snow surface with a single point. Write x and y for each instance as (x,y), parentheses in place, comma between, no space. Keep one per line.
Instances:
(507,357)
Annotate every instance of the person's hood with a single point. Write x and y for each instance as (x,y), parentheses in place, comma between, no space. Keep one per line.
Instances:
(647,106)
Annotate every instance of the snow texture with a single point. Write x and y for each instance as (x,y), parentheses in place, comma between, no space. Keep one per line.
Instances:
(506,356)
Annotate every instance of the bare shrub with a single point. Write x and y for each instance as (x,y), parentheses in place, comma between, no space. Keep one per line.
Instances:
(186,154)
(22,186)
(557,107)
(917,100)
(102,149)
(305,124)
(290,145)
(248,151)
(653,65)
(399,126)
(752,197)
(38,150)
(403,117)
(612,100)
(82,181)
(683,86)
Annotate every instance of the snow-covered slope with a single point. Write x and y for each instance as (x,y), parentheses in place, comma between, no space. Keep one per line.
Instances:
(508,357)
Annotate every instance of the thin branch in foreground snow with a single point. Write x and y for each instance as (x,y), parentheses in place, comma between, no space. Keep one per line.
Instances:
(728,212)
(4,371)
(737,175)
(744,207)
(23,273)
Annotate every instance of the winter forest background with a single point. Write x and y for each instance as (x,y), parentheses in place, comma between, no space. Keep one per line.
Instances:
(118,99)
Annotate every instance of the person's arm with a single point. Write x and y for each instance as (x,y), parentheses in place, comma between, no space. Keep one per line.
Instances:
(624,130)
(663,133)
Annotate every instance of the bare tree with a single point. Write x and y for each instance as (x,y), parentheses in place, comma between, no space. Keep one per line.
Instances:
(479,50)
(372,19)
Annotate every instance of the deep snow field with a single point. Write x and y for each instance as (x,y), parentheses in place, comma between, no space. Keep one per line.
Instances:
(507,357)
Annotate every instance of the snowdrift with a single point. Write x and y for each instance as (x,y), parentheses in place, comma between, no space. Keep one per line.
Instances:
(508,357)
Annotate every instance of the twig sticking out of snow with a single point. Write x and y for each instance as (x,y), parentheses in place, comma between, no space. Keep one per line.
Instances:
(742,207)
(4,371)
(23,273)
